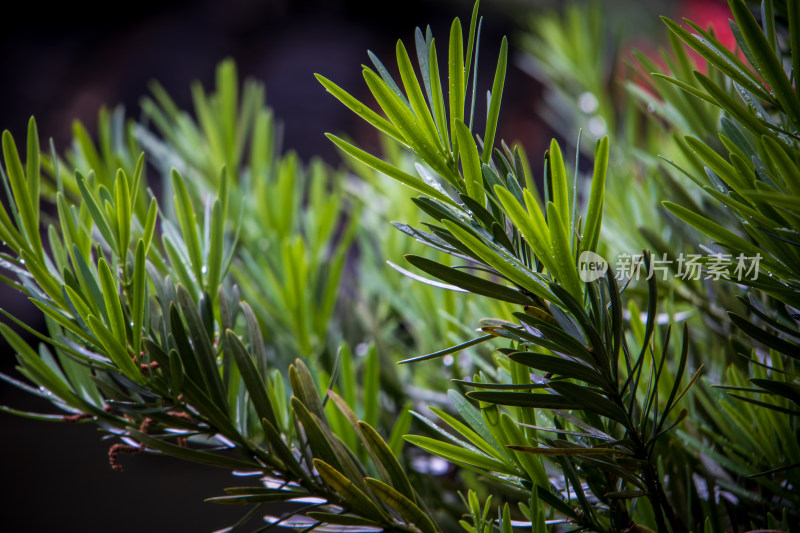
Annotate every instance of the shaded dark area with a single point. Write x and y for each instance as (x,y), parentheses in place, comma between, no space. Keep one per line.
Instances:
(67,64)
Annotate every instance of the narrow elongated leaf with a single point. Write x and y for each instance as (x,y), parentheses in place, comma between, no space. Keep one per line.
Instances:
(594,213)
(737,110)
(116,317)
(559,185)
(590,400)
(500,259)
(524,399)
(559,366)
(342,519)
(790,391)
(555,339)
(562,252)
(360,109)
(439,111)
(456,81)
(494,104)
(203,349)
(788,170)
(470,435)
(32,166)
(712,229)
(188,223)
(99,218)
(255,383)
(248,499)
(768,62)
(394,173)
(764,337)
(713,51)
(414,92)
(501,386)
(216,254)
(407,508)
(352,495)
(473,284)
(531,223)
(416,136)
(30,359)
(139,293)
(448,351)
(115,350)
(195,456)
(305,389)
(387,78)
(456,454)
(21,192)
(578,450)
(150,223)
(470,161)
(122,207)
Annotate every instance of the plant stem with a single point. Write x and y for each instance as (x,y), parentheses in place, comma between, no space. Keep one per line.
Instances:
(655,491)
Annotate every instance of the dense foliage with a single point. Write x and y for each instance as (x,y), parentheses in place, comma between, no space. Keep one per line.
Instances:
(211,298)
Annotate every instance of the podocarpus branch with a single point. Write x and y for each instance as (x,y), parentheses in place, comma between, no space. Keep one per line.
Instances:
(172,329)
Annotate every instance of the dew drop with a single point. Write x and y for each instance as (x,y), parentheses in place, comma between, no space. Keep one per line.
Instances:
(651,108)
(448,360)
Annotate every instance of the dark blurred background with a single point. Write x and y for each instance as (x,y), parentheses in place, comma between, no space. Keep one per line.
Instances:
(64,61)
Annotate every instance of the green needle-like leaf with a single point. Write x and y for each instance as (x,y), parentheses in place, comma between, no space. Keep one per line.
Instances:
(407,508)
(394,173)
(448,351)
(494,105)
(21,192)
(100,219)
(456,454)
(360,109)
(349,492)
(769,64)
(524,399)
(562,253)
(381,454)
(115,349)
(255,383)
(456,81)
(123,208)
(473,284)
(116,317)
(414,92)
(195,456)
(188,224)
(594,213)
(470,161)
